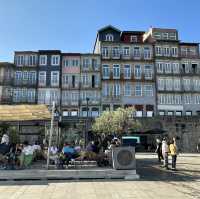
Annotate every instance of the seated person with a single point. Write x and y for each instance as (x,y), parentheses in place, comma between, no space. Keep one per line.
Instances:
(69,152)
(54,154)
(26,156)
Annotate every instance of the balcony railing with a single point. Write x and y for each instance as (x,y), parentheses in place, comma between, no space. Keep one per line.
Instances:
(24,83)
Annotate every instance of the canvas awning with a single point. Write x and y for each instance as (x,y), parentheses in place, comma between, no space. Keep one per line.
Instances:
(15,113)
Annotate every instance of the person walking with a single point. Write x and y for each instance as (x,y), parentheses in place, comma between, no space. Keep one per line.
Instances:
(173,153)
(159,149)
(165,151)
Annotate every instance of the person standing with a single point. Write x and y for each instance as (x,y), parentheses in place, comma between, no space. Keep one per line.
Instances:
(173,153)
(165,151)
(159,149)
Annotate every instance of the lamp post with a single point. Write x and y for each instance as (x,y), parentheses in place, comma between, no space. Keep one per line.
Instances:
(86,129)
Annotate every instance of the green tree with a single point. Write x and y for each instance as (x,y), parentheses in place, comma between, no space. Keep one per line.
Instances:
(119,121)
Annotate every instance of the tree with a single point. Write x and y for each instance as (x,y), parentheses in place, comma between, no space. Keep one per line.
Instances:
(119,121)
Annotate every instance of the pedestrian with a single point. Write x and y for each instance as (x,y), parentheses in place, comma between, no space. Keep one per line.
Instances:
(165,151)
(159,149)
(173,153)
(5,139)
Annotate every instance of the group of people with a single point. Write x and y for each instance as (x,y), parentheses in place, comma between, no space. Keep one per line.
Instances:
(164,149)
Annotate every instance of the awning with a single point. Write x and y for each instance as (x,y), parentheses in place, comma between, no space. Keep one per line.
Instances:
(14,113)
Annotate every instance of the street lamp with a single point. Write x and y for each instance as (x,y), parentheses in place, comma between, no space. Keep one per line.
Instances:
(86,125)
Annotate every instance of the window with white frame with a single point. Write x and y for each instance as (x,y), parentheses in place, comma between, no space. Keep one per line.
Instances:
(166,51)
(85,79)
(177,84)
(32,60)
(169,99)
(138,72)
(32,77)
(65,97)
(158,50)
(188,98)
(172,35)
(165,35)
(177,99)
(106,90)
(161,113)
(157,35)
(116,71)
(54,96)
(138,90)
(168,68)
(161,99)
(126,51)
(139,113)
(20,60)
(31,95)
(55,60)
(169,84)
(42,78)
(127,89)
(105,52)
(109,37)
(106,72)
(133,38)
(148,90)
(188,113)
(174,51)
(160,67)
(197,99)
(136,52)
(115,52)
(170,113)
(116,89)
(147,53)
(161,84)
(86,63)
(43,60)
(18,75)
(66,62)
(65,80)
(74,96)
(148,72)
(74,113)
(196,83)
(75,62)
(186,84)
(175,68)
(54,78)
(127,71)
(41,96)
(25,75)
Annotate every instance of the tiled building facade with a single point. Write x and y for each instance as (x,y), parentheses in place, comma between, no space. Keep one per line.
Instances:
(153,71)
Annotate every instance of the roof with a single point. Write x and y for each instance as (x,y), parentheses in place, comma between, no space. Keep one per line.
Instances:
(109,26)
(133,32)
(71,54)
(25,52)
(13,113)
(188,44)
(49,52)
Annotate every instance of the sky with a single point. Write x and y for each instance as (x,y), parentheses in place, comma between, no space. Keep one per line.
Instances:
(72,25)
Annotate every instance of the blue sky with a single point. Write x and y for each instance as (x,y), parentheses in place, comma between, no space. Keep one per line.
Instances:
(71,25)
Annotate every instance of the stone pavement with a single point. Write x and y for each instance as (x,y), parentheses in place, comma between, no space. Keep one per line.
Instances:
(155,183)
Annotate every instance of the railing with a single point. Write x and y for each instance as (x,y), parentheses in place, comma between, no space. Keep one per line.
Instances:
(24,83)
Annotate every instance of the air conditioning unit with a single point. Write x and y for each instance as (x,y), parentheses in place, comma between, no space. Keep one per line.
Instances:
(124,158)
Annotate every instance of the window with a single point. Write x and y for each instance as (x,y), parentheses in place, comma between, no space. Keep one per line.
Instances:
(115,52)
(127,71)
(65,79)
(105,52)
(172,35)
(85,79)
(168,68)
(138,72)
(170,113)
(161,84)
(65,113)
(136,52)
(74,113)
(157,35)
(126,51)
(177,84)
(148,90)
(160,67)
(166,51)
(147,53)
(139,113)
(18,75)
(169,84)
(25,75)
(95,112)
(54,96)
(32,77)
(106,72)
(177,99)
(127,89)
(186,84)
(109,37)
(43,60)
(161,113)
(149,113)
(74,96)
(188,113)
(86,63)
(116,89)
(138,90)
(32,60)
(54,78)
(188,99)
(116,71)
(20,60)
(158,50)
(55,60)
(95,64)
(106,90)
(196,83)
(197,99)
(66,62)
(174,51)
(169,99)
(133,38)
(41,96)
(165,35)
(31,95)
(75,62)
(175,68)
(148,72)
(42,78)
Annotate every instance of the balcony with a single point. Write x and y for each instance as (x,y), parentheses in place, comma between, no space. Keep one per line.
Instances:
(189,55)
(25,83)
(6,80)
